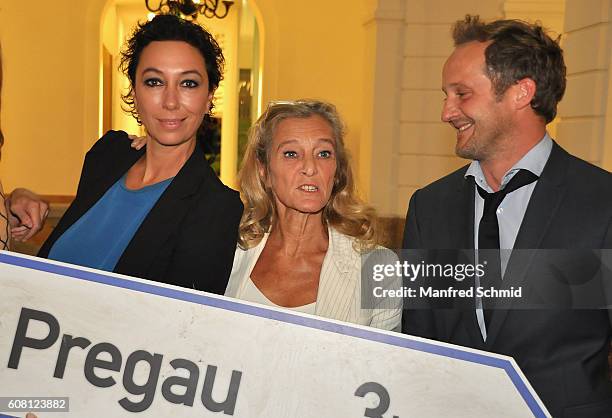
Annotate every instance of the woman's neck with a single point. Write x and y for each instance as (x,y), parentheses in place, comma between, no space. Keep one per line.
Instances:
(298,233)
(159,163)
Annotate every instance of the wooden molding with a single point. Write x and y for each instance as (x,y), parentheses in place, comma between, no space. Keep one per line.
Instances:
(58,199)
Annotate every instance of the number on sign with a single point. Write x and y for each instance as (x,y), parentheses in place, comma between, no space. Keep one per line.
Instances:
(383,398)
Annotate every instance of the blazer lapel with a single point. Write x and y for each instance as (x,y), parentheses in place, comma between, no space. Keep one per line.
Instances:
(464,227)
(337,286)
(244,262)
(104,176)
(465,216)
(165,216)
(101,173)
(543,205)
(544,202)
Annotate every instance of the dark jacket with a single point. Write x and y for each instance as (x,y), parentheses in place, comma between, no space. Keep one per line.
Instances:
(563,352)
(188,238)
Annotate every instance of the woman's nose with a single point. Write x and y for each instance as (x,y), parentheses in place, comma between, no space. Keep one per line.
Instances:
(310,167)
(170,99)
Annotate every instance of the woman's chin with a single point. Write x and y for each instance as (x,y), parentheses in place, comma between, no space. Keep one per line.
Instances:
(172,140)
(309,209)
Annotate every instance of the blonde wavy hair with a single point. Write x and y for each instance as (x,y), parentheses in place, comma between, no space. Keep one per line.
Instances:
(345,212)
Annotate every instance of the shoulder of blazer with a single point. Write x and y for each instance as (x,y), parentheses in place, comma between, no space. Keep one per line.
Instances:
(107,160)
(115,143)
(563,168)
(218,187)
(110,157)
(198,172)
(347,258)
(342,251)
(450,182)
(576,164)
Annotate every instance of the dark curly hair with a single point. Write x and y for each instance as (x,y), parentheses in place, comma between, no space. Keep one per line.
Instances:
(170,28)
(519,50)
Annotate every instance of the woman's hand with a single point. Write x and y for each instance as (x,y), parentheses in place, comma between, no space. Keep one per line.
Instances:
(138,141)
(27,213)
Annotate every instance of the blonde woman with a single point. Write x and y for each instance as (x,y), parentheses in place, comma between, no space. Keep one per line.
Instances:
(303,230)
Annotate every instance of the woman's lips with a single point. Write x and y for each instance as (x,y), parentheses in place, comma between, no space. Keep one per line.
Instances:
(170,123)
(309,188)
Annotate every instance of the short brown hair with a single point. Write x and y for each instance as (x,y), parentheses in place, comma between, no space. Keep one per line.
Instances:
(519,50)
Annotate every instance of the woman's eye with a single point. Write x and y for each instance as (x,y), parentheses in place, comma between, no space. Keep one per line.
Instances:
(152,82)
(325,154)
(290,154)
(190,84)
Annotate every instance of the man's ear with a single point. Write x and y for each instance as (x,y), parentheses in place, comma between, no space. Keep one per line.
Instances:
(524,91)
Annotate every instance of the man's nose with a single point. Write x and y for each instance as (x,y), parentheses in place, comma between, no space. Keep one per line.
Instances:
(449,110)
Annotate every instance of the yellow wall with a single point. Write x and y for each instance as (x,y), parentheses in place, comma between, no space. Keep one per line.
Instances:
(315,49)
(585,114)
(51,108)
(118,23)
(43,95)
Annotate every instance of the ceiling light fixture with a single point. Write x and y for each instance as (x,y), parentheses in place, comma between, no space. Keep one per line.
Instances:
(191,8)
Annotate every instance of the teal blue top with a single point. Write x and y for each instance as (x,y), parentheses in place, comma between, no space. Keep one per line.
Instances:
(102,234)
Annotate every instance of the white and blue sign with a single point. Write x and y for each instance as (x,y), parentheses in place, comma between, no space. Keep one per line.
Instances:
(115,346)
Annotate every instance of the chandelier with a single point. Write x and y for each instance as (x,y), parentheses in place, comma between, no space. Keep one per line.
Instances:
(191,8)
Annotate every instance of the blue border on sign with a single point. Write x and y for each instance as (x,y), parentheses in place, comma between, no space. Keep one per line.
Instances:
(456,353)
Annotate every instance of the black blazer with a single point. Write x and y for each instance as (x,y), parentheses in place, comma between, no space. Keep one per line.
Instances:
(188,238)
(563,352)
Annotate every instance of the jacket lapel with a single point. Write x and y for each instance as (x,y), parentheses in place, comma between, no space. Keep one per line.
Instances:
(104,176)
(543,205)
(464,227)
(165,216)
(464,217)
(100,172)
(244,262)
(337,284)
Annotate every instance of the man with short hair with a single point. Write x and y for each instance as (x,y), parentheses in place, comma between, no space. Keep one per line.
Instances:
(521,191)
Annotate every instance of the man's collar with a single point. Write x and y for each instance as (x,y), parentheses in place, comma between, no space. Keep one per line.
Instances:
(534,161)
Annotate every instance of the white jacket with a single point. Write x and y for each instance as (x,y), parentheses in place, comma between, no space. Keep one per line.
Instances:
(340,290)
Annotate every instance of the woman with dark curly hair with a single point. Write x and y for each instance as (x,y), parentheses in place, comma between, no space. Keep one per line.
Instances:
(158,213)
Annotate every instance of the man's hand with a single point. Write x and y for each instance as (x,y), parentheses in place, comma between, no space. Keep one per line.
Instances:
(27,213)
